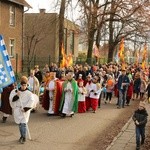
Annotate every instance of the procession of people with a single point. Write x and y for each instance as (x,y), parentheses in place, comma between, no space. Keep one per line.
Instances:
(74,89)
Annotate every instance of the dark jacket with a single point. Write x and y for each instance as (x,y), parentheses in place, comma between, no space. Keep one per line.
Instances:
(38,75)
(141,117)
(123,79)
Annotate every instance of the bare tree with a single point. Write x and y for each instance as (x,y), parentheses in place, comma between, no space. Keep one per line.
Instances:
(125,14)
(61,27)
(117,19)
(37,28)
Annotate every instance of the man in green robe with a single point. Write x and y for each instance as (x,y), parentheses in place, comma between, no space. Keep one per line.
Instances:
(69,99)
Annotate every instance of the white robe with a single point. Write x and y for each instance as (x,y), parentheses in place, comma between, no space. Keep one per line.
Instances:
(51,87)
(81,97)
(88,87)
(26,99)
(68,103)
(96,89)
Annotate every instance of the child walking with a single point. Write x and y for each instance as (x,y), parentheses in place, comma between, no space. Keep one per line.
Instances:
(140,119)
(81,98)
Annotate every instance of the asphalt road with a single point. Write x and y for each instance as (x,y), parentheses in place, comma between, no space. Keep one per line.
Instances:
(55,133)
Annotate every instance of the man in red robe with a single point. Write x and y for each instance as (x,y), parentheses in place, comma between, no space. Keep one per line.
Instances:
(51,100)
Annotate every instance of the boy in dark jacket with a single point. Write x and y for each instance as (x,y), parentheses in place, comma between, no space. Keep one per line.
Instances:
(140,119)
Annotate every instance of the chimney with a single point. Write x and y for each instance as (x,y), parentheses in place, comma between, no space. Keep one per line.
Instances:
(42,11)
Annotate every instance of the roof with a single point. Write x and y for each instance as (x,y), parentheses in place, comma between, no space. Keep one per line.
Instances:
(21,2)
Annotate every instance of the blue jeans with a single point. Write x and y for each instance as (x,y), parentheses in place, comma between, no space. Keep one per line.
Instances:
(140,134)
(23,129)
(122,98)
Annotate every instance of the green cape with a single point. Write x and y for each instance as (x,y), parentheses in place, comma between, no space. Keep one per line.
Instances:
(75,95)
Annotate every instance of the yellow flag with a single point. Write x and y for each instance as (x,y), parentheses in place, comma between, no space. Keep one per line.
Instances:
(144,57)
(121,51)
(63,62)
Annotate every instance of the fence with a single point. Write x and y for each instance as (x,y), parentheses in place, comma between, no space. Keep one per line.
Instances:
(41,61)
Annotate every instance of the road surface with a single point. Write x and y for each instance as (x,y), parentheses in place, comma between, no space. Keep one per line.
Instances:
(55,133)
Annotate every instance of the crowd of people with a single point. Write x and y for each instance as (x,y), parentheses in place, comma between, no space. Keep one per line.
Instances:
(78,88)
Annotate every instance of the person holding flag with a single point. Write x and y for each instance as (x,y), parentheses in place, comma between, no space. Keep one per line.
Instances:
(22,102)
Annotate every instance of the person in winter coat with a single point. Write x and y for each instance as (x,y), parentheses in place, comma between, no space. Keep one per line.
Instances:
(140,120)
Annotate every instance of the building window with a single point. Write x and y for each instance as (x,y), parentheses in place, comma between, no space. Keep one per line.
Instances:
(12,16)
(11,47)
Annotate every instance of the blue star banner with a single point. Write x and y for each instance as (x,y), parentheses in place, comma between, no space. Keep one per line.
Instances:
(7,75)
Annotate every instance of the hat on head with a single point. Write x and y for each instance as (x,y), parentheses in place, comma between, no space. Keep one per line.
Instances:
(81,81)
(123,69)
(71,73)
(80,75)
(89,75)
(36,66)
(62,74)
(52,73)
(32,71)
(142,104)
(24,79)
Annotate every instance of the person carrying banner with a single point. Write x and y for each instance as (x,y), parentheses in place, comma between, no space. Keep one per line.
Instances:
(22,101)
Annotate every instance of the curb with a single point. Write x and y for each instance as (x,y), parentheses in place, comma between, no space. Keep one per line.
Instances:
(126,126)
(121,132)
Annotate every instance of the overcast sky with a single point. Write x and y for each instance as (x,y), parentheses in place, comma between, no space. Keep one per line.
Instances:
(37,4)
(49,5)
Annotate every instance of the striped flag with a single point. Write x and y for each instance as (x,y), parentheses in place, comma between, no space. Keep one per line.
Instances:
(7,76)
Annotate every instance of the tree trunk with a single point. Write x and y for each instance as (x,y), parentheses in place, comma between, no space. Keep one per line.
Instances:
(111,32)
(90,46)
(111,52)
(91,32)
(61,28)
